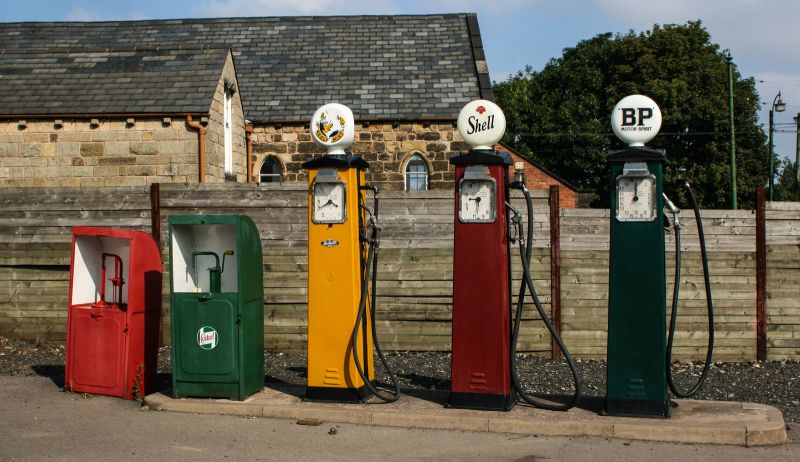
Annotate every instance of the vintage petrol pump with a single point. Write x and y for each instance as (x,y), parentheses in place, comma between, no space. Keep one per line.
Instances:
(216,311)
(637,351)
(114,312)
(343,241)
(483,363)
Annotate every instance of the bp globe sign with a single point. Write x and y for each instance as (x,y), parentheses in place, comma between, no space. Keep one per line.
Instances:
(481,123)
(333,128)
(636,120)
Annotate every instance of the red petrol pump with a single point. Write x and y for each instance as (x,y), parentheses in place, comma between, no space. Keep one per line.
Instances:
(112,342)
(483,361)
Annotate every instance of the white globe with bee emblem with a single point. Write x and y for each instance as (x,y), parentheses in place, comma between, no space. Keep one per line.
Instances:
(333,128)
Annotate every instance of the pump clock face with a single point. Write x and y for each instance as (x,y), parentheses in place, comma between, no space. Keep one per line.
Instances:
(636,198)
(476,202)
(328,203)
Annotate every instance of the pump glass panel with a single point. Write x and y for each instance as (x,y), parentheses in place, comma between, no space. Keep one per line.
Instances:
(636,198)
(329,203)
(476,203)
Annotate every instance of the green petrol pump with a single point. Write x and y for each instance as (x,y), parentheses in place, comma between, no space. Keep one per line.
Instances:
(216,306)
(639,353)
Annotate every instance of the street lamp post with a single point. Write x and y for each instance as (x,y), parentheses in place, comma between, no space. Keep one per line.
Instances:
(797,155)
(731,135)
(777,106)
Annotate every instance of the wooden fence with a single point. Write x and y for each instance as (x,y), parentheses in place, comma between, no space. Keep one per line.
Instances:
(415,270)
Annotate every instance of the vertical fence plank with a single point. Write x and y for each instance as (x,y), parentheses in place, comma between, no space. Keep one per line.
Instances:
(761,276)
(155,213)
(555,265)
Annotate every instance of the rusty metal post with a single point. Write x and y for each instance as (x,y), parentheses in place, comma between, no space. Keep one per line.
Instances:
(555,266)
(155,213)
(761,276)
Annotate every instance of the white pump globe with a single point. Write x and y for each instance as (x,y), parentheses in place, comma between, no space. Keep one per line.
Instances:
(333,128)
(481,123)
(636,119)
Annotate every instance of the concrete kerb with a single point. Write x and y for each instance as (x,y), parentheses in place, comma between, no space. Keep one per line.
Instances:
(707,422)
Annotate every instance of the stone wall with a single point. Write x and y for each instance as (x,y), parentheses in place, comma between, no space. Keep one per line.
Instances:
(215,131)
(387,146)
(113,152)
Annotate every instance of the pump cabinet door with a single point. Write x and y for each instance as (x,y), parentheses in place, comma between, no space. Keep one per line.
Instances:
(98,350)
(207,339)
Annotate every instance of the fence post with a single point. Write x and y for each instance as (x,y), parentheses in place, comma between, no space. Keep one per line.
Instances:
(761,276)
(155,213)
(555,266)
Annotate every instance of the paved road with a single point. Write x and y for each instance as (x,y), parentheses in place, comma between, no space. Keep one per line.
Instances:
(40,423)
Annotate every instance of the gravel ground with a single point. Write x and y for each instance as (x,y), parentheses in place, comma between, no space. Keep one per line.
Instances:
(776,383)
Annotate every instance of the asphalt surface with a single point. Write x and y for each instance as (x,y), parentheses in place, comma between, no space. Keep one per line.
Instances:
(40,422)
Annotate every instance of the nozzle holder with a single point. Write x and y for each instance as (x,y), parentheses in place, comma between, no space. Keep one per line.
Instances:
(519,172)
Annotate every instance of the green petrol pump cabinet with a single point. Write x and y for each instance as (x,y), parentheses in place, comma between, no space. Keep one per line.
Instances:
(216,306)
(637,287)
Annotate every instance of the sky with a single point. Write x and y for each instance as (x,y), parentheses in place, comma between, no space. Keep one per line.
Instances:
(760,34)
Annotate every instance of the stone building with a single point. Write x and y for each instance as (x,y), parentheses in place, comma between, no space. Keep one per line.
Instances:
(136,102)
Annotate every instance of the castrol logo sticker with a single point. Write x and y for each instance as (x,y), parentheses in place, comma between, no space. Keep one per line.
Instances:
(207,338)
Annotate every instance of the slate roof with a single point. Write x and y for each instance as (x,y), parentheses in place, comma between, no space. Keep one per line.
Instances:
(383,67)
(102,82)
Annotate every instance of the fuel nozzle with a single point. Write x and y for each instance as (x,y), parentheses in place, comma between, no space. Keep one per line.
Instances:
(214,272)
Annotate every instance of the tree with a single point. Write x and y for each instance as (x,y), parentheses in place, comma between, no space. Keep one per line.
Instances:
(560,116)
(787,187)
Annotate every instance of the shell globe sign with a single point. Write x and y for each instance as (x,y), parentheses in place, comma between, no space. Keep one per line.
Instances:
(481,123)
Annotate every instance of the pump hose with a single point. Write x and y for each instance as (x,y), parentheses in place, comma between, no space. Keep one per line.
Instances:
(676,292)
(525,256)
(371,276)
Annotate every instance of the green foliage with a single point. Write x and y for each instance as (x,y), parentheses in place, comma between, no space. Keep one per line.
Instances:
(787,188)
(560,116)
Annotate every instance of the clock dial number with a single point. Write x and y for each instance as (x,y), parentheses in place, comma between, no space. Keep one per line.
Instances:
(328,203)
(477,201)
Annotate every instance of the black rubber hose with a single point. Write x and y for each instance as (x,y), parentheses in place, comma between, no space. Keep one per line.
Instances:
(370,278)
(676,293)
(525,253)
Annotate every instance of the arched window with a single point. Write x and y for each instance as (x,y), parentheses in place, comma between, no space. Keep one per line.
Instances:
(270,171)
(416,174)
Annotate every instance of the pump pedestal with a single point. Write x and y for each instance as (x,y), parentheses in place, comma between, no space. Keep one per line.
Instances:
(480,368)
(113,316)
(335,271)
(637,289)
(217,315)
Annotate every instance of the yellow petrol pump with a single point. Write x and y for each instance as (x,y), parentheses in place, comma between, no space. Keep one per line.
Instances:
(343,238)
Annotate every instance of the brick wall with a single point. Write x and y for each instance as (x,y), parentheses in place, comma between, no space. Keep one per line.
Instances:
(536,178)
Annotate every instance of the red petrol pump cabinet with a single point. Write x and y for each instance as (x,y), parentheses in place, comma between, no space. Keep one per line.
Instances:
(480,362)
(114,312)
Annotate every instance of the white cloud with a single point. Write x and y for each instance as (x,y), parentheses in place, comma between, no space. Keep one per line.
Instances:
(759,34)
(228,8)
(79,14)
